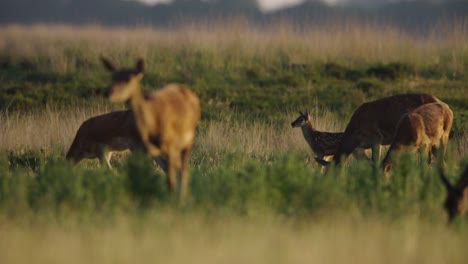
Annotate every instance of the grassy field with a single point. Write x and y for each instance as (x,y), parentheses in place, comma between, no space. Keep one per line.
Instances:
(256,195)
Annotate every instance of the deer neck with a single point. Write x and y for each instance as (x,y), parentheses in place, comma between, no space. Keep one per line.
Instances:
(141,111)
(308,130)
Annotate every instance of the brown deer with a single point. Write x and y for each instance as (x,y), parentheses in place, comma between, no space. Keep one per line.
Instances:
(166,121)
(456,202)
(322,144)
(100,136)
(424,129)
(374,123)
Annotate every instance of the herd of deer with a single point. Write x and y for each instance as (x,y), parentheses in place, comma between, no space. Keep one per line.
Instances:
(163,124)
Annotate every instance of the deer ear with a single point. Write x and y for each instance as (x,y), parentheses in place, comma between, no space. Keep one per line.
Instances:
(300,112)
(140,66)
(109,66)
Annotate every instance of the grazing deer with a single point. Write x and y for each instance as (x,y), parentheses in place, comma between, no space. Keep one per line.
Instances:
(374,123)
(424,129)
(166,121)
(456,202)
(100,136)
(323,144)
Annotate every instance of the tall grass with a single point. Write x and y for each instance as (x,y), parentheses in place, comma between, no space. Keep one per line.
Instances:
(176,238)
(57,47)
(48,128)
(55,127)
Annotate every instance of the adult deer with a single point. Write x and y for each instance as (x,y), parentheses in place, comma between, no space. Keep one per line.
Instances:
(456,202)
(374,123)
(102,135)
(322,144)
(424,129)
(166,121)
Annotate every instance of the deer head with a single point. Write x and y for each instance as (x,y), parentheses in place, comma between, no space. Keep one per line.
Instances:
(455,204)
(125,82)
(301,120)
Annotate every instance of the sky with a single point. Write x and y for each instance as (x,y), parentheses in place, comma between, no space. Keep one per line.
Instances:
(271,5)
(265,5)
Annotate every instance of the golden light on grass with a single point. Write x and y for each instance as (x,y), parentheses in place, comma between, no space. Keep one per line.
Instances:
(346,42)
(47,128)
(55,128)
(176,238)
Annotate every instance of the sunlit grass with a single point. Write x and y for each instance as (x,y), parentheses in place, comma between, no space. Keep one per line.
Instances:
(348,43)
(172,237)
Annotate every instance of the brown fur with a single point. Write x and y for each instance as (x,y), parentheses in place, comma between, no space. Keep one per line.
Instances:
(456,202)
(322,144)
(374,123)
(100,136)
(166,121)
(423,129)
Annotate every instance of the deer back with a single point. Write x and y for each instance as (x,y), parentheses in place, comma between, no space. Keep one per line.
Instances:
(383,115)
(176,111)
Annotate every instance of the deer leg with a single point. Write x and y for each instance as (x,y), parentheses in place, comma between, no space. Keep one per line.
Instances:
(323,158)
(432,154)
(171,172)
(161,162)
(105,157)
(444,142)
(150,149)
(387,163)
(184,176)
(347,147)
(376,154)
(171,178)
(365,153)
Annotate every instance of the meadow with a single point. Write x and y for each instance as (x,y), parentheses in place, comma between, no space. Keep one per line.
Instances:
(256,194)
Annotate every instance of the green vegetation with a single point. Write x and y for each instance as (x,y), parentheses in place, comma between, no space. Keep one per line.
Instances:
(264,76)
(281,185)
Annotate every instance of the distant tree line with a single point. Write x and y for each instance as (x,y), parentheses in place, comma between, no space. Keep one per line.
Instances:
(411,15)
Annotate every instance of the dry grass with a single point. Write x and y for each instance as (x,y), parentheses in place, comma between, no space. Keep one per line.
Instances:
(55,128)
(45,129)
(348,42)
(175,238)
(261,138)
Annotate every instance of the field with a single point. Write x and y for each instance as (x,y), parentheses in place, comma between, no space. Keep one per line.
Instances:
(256,194)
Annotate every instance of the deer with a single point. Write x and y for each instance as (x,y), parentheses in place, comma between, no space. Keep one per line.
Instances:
(166,121)
(374,123)
(423,129)
(456,202)
(322,144)
(100,136)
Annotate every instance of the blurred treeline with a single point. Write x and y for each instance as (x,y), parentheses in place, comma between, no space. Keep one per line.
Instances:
(415,16)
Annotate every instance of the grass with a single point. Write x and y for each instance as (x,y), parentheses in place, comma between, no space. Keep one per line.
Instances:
(240,210)
(175,238)
(237,67)
(256,194)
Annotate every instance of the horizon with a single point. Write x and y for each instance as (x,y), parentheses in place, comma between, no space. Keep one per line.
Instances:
(274,5)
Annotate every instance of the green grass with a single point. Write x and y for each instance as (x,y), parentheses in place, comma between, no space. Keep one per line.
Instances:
(281,185)
(263,74)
